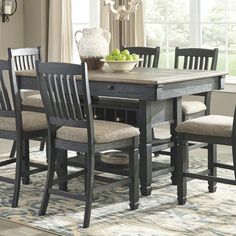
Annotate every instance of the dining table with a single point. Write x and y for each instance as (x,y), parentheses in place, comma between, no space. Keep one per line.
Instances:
(155,95)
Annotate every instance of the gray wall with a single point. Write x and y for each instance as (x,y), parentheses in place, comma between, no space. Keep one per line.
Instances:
(35,24)
(11,33)
(26,28)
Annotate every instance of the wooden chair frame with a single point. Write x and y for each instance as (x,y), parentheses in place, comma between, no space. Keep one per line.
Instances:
(20,136)
(59,91)
(197,59)
(24,59)
(211,174)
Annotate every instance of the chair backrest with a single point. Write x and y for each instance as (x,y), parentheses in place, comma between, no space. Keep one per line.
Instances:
(59,88)
(150,55)
(5,96)
(24,58)
(196,58)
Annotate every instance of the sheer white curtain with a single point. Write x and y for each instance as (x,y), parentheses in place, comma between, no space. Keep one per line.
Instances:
(133,29)
(60,31)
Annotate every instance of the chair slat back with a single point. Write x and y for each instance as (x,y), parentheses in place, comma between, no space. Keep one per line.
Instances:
(5,95)
(196,58)
(149,54)
(24,58)
(60,93)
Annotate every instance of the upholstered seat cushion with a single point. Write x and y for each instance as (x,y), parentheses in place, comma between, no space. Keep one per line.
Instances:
(31,121)
(34,100)
(191,107)
(212,125)
(105,131)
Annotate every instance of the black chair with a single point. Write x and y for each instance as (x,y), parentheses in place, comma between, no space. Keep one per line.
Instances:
(24,59)
(196,59)
(20,126)
(211,129)
(72,129)
(150,55)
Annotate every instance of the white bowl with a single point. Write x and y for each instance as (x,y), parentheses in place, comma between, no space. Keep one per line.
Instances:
(122,66)
(115,158)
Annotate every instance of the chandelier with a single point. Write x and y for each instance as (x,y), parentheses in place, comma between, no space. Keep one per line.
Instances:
(122,13)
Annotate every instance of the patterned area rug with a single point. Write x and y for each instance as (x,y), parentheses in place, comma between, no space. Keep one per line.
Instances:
(158,214)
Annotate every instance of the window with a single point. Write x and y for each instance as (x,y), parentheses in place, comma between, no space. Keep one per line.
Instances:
(84,15)
(218,24)
(196,23)
(167,25)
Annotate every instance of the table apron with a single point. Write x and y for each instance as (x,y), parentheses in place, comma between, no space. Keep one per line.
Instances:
(189,87)
(134,91)
(140,91)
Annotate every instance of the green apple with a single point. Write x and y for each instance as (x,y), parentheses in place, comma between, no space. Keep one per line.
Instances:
(125,52)
(121,57)
(115,52)
(129,58)
(135,56)
(115,58)
(109,58)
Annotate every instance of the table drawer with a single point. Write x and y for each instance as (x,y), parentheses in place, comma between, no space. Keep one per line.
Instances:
(122,90)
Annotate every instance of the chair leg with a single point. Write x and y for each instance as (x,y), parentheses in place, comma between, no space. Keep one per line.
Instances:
(85,174)
(90,164)
(184,118)
(13,149)
(234,158)
(212,170)
(134,176)
(18,172)
(61,167)
(42,144)
(51,168)
(25,163)
(181,169)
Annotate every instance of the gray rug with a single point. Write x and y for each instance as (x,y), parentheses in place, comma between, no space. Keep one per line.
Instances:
(204,214)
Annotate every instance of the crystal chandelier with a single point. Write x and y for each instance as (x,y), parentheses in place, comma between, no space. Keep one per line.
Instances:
(122,13)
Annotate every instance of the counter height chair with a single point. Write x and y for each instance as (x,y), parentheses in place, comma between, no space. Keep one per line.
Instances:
(71,129)
(196,59)
(211,129)
(24,59)
(20,126)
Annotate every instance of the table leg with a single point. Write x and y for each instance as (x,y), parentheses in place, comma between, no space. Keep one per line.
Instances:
(177,115)
(145,148)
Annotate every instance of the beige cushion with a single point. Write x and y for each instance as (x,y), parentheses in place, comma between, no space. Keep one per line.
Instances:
(105,131)
(31,121)
(191,107)
(33,101)
(212,125)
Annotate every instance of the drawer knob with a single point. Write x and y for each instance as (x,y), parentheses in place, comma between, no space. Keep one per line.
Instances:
(110,87)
